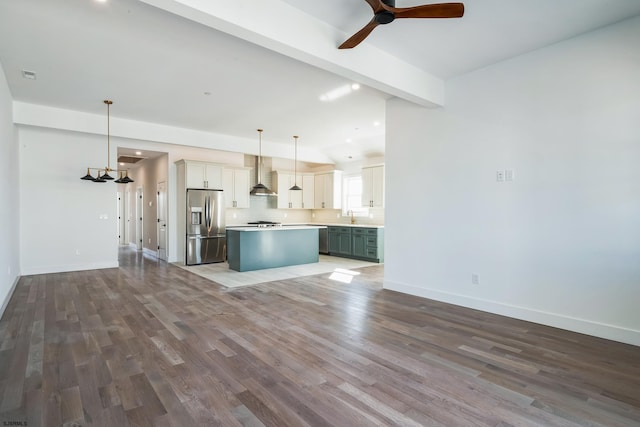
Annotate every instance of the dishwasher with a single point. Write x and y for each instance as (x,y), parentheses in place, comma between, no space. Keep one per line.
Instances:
(324,240)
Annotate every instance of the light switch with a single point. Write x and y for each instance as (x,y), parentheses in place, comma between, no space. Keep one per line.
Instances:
(508,175)
(500,176)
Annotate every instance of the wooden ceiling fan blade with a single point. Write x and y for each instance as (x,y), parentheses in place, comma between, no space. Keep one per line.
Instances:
(357,38)
(376,5)
(440,10)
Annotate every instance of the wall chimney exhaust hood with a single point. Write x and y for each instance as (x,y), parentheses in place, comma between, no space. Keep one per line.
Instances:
(260,189)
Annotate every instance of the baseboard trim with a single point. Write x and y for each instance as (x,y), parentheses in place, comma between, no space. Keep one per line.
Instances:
(150,252)
(583,326)
(69,267)
(9,295)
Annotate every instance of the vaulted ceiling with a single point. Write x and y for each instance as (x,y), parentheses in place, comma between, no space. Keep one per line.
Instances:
(228,67)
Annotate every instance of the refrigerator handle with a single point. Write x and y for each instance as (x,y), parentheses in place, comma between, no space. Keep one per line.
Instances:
(208,213)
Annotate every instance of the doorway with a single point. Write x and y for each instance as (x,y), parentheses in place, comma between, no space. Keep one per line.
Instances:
(161,205)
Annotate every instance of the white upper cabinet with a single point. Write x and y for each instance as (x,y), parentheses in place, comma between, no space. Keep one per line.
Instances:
(203,175)
(308,190)
(236,187)
(293,199)
(373,187)
(328,190)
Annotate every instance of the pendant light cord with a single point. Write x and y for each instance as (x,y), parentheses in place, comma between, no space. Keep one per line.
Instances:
(108,102)
(295,162)
(260,156)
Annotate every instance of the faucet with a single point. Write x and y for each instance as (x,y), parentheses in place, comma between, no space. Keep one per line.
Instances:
(353,220)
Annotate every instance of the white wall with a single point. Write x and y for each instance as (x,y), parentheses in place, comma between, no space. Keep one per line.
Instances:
(560,245)
(9,195)
(65,224)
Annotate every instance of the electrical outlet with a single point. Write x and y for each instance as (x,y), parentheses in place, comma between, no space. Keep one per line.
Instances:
(475,279)
(149,240)
(500,176)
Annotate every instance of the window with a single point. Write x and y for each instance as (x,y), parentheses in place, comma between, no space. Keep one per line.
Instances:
(352,196)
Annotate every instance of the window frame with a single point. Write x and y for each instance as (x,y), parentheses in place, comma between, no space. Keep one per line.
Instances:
(360,211)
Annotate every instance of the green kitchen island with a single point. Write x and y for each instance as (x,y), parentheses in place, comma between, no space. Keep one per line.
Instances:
(252,248)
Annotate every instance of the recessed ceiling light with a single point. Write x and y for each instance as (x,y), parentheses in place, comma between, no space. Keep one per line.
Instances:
(138,153)
(349,141)
(31,75)
(355,86)
(376,123)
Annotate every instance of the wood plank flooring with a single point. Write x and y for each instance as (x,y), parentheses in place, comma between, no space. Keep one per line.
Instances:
(151,344)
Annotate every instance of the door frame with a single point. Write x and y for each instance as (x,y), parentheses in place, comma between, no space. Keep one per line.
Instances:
(162,220)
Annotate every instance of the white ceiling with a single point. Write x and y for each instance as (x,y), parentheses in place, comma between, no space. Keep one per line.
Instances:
(157,66)
(490,31)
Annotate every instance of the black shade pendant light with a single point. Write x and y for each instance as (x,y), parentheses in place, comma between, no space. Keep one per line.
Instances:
(106,177)
(126,178)
(260,189)
(99,178)
(88,176)
(295,166)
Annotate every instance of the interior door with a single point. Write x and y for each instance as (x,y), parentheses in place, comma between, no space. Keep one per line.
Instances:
(127,214)
(139,218)
(121,219)
(162,220)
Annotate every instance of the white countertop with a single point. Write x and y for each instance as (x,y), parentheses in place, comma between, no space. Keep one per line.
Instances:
(307,224)
(353,225)
(283,228)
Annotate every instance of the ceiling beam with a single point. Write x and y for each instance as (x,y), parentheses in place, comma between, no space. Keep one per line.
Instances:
(277,26)
(26,114)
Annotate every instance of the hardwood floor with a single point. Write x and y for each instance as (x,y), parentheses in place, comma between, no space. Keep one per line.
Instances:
(151,344)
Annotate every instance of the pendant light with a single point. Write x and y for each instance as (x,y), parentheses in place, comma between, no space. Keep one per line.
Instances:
(295,166)
(260,189)
(106,177)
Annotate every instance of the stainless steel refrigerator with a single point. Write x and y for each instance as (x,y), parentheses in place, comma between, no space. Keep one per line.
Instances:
(206,232)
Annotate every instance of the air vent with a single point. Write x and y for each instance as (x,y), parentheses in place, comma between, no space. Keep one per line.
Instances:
(129,159)
(31,75)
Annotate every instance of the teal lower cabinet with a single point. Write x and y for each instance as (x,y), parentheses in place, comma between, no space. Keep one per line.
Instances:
(357,242)
(340,241)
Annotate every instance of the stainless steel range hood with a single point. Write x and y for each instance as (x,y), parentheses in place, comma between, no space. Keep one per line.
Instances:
(260,189)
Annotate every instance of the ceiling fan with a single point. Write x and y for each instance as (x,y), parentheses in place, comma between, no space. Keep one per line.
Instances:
(385,11)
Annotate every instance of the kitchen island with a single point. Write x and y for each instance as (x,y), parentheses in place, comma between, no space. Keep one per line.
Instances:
(253,248)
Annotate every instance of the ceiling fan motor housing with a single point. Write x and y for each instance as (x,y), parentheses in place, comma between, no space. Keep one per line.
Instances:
(385,17)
